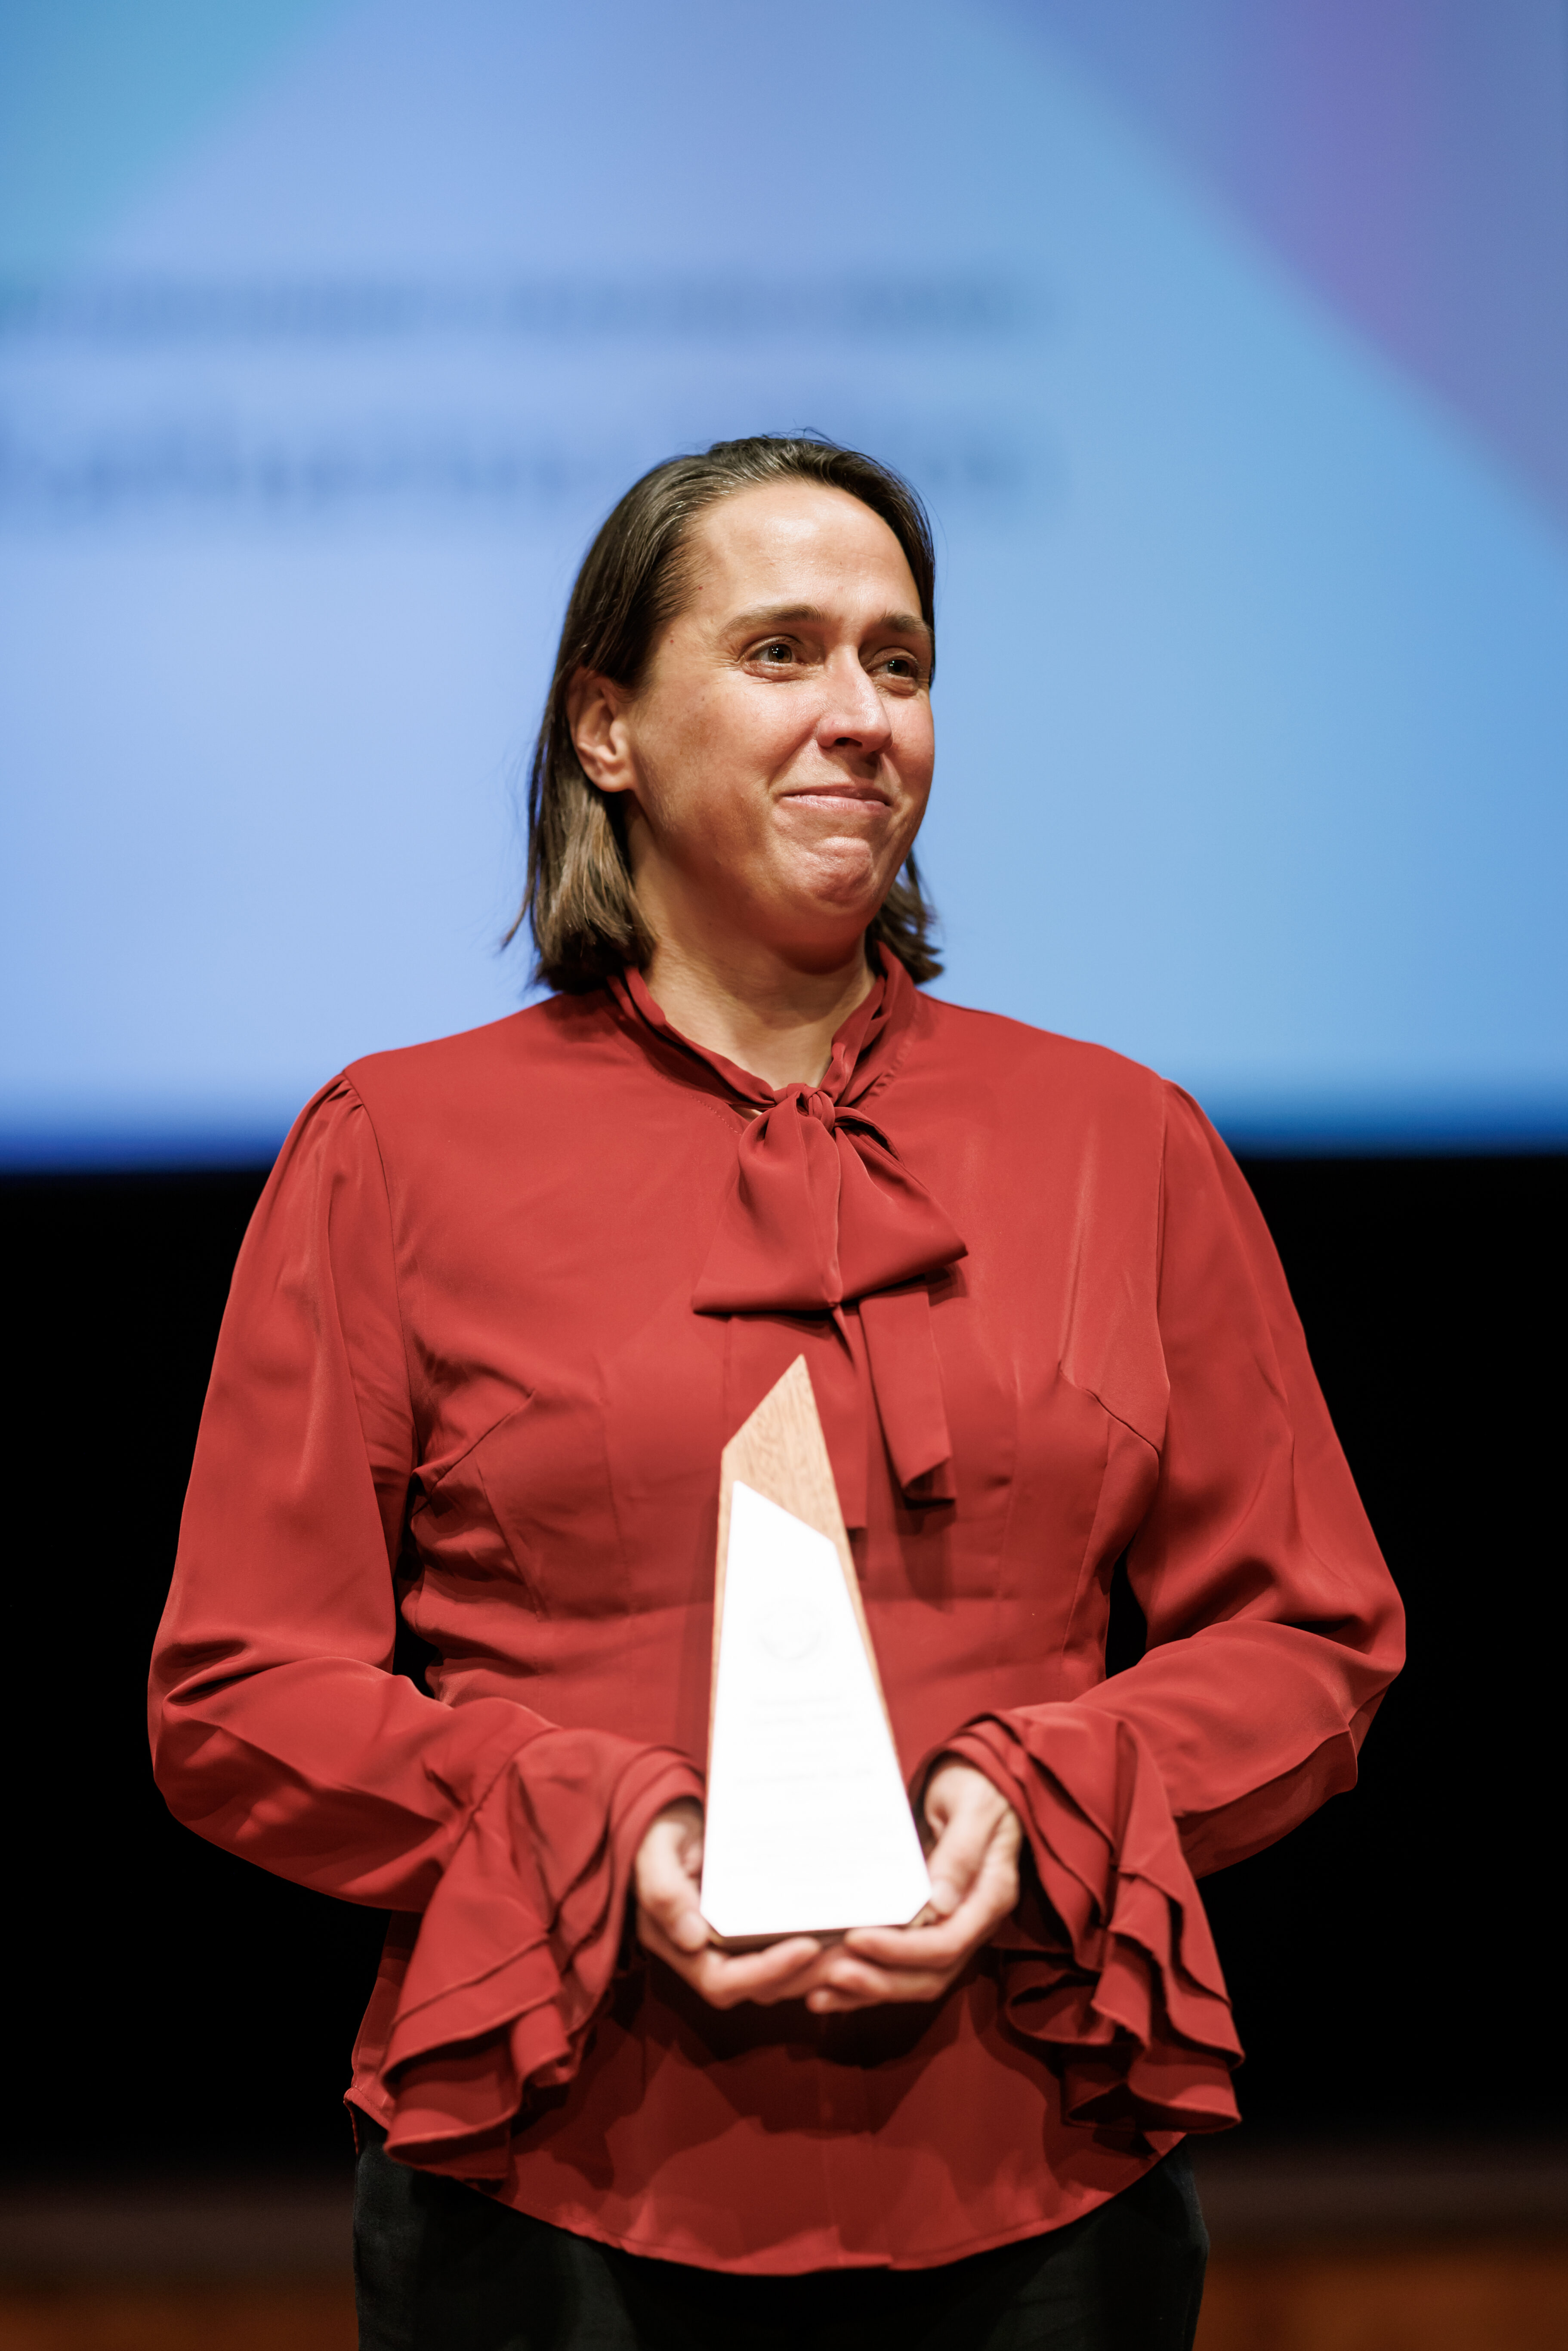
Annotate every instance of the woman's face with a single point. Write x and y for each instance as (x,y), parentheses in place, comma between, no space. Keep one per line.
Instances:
(778,751)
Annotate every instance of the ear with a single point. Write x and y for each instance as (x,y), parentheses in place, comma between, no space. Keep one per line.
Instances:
(596,713)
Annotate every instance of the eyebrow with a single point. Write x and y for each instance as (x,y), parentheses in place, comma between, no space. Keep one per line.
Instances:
(901,624)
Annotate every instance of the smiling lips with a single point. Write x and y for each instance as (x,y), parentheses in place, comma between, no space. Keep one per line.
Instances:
(838,795)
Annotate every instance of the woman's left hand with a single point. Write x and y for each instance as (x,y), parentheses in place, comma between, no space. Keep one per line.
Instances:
(974,1869)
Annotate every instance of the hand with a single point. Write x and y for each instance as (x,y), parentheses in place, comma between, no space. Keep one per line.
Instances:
(665,1880)
(974,1869)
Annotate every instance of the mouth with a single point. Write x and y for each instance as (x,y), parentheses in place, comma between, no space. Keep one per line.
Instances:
(839,796)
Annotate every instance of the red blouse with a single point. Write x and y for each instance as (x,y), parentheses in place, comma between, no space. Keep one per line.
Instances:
(504,1299)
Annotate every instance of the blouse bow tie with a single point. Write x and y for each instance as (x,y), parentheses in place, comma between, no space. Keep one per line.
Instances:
(825,1215)
(823,1210)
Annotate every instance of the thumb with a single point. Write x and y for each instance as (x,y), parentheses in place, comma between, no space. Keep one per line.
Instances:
(667,1862)
(958,1853)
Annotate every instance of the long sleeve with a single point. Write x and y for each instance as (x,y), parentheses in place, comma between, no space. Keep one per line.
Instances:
(279,1730)
(1273,1631)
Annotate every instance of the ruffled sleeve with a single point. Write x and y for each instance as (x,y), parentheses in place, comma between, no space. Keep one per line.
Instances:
(280,1730)
(1110,1969)
(1273,1631)
(518,1945)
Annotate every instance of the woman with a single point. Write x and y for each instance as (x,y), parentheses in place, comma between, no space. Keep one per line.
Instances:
(505,1298)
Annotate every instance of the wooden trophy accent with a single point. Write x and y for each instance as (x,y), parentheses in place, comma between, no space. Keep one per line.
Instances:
(809,1829)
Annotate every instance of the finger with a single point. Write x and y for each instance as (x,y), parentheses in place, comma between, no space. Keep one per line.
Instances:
(949,1788)
(946,1947)
(667,1894)
(954,1860)
(656,1939)
(901,1949)
(992,1896)
(677,1830)
(868,1987)
(672,1848)
(783,1971)
(937,1945)
(673,1912)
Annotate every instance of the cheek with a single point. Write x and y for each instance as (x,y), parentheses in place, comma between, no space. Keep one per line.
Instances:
(915,751)
(707,765)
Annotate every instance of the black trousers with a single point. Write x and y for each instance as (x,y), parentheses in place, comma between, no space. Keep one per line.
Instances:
(440,2267)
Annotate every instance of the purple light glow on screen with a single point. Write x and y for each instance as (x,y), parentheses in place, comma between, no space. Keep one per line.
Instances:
(1408,157)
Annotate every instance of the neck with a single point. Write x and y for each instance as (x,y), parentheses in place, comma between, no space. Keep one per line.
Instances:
(755,1007)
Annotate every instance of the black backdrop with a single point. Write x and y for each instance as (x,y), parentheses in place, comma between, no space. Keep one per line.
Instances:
(1390,1962)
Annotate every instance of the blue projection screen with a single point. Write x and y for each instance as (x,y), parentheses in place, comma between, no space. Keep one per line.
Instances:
(328,333)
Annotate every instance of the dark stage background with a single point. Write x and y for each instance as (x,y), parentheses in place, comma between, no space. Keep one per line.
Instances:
(175,2009)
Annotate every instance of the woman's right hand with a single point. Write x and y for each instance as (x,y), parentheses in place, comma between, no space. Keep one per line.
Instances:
(665,1882)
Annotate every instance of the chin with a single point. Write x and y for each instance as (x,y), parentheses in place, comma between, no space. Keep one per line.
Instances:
(820,927)
(841,877)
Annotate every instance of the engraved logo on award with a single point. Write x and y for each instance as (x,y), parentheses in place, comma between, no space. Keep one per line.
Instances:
(808,1825)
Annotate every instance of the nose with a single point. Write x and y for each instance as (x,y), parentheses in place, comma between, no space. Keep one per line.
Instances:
(854,715)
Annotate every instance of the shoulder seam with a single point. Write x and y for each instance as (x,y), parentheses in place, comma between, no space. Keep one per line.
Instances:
(402,1320)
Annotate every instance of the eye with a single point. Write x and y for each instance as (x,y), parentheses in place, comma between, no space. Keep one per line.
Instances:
(779,649)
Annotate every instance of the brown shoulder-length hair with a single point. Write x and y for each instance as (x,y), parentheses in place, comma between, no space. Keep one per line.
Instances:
(579,901)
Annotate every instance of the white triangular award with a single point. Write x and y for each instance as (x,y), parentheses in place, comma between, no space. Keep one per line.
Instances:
(808,1825)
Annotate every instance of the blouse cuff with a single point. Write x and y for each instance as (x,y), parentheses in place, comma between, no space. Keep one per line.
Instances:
(519,1946)
(1113,1976)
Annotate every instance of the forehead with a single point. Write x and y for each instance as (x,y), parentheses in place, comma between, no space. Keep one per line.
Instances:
(794,540)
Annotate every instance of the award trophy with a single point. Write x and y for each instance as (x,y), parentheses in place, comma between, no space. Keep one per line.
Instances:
(808,1826)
